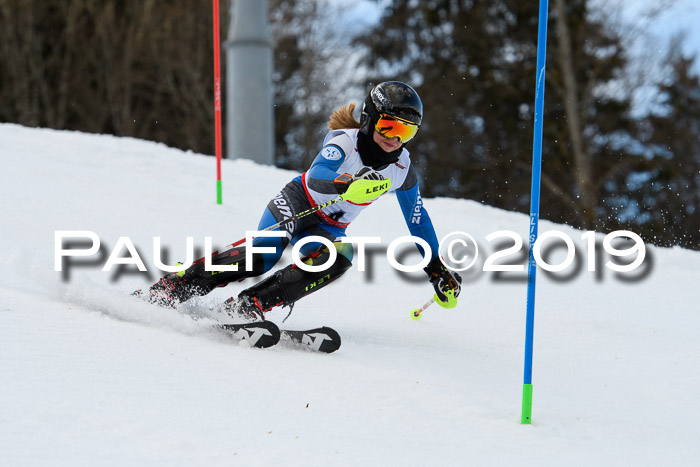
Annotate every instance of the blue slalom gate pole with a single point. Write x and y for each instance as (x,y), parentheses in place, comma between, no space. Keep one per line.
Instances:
(534,208)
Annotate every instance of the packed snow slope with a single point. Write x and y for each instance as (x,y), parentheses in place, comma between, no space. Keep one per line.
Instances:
(91,376)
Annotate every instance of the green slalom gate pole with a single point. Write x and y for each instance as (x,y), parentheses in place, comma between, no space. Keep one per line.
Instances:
(217,99)
(534,209)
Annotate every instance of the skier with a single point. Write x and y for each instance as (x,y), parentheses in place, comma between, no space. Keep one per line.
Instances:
(370,152)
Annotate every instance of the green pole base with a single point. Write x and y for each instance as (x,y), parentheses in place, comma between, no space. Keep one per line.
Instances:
(527,405)
(218,192)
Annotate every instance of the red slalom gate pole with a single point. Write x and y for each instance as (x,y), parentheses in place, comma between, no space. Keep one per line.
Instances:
(217,99)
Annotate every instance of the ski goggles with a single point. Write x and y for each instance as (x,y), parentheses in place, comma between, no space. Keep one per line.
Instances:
(392,127)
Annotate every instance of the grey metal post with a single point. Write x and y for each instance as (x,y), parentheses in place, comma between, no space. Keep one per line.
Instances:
(249,117)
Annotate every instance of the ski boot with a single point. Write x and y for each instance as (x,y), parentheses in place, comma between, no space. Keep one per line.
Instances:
(178,287)
(243,307)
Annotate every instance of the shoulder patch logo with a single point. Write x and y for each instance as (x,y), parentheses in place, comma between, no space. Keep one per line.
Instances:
(331,153)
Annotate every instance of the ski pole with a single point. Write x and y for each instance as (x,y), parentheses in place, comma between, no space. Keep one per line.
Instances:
(417,313)
(305,213)
(296,217)
(362,191)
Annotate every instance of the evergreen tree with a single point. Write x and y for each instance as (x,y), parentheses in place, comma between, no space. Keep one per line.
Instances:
(464,60)
(664,186)
(473,64)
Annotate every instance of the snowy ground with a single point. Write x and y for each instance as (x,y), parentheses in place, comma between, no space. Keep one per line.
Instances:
(90,376)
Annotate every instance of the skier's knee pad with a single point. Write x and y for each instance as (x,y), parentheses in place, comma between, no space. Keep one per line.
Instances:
(344,249)
(321,256)
(288,285)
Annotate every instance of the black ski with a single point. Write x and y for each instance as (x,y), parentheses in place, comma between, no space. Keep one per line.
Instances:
(322,339)
(260,334)
(263,334)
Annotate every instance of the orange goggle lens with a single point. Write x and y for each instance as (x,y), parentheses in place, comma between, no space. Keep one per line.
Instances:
(391,127)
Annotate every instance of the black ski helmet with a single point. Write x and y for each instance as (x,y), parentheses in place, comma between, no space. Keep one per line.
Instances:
(392,98)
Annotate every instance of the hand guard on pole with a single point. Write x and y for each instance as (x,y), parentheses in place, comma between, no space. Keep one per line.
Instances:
(445,282)
(363,187)
(342,182)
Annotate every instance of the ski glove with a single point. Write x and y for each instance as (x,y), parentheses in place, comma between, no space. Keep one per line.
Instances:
(445,282)
(366,173)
